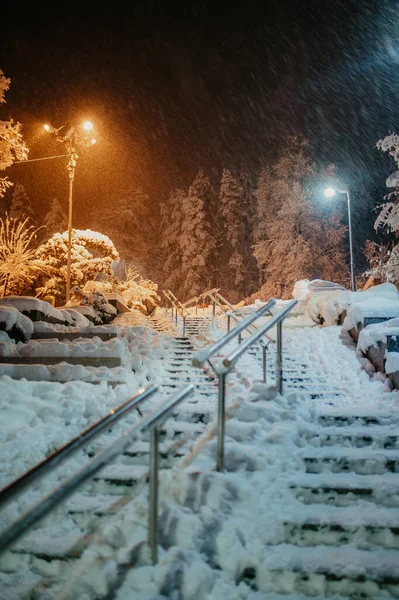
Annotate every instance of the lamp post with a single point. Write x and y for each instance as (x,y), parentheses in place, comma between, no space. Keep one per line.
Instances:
(71,138)
(329,192)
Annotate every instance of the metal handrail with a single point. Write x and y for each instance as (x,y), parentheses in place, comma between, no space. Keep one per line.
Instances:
(234,314)
(228,363)
(151,422)
(204,355)
(14,489)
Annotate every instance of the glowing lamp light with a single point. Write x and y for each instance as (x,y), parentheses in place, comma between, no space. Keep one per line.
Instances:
(329,192)
(93,141)
(47,127)
(87,125)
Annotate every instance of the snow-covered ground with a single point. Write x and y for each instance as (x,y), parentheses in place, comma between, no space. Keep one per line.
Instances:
(221,532)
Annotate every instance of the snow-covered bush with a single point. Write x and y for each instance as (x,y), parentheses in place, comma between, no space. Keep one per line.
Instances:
(19,265)
(96,301)
(92,254)
(138,293)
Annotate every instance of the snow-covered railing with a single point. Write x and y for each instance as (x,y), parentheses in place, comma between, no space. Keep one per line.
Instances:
(229,362)
(149,423)
(14,489)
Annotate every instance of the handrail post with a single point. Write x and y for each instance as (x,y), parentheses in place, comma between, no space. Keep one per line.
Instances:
(176,316)
(184,325)
(279,358)
(196,306)
(153,496)
(264,352)
(221,424)
(239,338)
(213,313)
(228,323)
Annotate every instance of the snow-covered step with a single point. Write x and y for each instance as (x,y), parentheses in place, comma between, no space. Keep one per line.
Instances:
(98,504)
(119,479)
(381,436)
(338,418)
(357,460)
(16,587)
(343,489)
(50,544)
(368,527)
(324,570)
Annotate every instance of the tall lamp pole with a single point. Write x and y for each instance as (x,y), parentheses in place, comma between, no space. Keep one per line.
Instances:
(71,138)
(329,192)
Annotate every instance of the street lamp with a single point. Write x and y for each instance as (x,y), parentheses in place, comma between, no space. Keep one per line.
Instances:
(329,192)
(71,136)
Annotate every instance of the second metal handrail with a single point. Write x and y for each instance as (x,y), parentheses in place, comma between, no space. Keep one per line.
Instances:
(229,362)
(151,422)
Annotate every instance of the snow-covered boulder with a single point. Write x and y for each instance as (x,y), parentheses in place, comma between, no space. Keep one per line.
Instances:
(87,312)
(330,307)
(17,326)
(37,310)
(373,308)
(79,319)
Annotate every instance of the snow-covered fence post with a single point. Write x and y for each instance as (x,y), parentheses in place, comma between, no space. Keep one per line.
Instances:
(221,424)
(153,495)
(279,358)
(264,362)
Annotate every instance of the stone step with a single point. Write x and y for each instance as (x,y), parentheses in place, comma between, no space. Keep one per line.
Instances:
(342,489)
(324,570)
(356,460)
(337,420)
(309,525)
(85,361)
(380,436)
(49,543)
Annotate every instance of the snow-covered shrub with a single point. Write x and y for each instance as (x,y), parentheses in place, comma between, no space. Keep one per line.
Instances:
(19,266)
(92,254)
(96,301)
(138,293)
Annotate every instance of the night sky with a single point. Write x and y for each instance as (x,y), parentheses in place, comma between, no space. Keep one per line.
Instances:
(172,87)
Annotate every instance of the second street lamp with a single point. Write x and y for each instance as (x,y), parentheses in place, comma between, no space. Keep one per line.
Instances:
(71,138)
(329,192)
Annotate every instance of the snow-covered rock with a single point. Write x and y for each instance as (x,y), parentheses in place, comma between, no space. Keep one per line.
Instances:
(374,307)
(37,310)
(15,324)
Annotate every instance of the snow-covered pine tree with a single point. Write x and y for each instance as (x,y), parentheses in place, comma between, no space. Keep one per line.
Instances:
(92,254)
(56,219)
(293,241)
(21,207)
(170,232)
(133,222)
(232,214)
(197,241)
(12,146)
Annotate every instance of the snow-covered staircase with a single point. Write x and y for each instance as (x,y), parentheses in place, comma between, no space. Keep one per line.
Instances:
(339,536)
(44,559)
